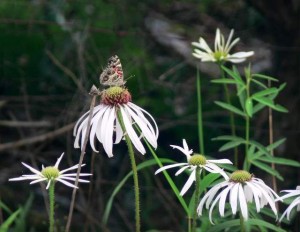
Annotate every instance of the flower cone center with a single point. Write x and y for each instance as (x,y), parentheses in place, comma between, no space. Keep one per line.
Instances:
(219,55)
(50,172)
(240,176)
(197,160)
(115,95)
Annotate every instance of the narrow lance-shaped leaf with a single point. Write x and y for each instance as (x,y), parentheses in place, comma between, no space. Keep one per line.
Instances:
(230,108)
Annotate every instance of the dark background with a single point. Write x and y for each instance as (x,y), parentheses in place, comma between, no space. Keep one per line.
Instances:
(52,52)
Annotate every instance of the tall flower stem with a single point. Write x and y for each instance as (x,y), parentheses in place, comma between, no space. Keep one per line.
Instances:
(51,206)
(135,175)
(247,126)
(231,115)
(200,118)
(81,160)
(242,223)
(197,196)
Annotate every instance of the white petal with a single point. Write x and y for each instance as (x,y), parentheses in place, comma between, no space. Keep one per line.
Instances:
(150,137)
(67,183)
(58,160)
(234,197)
(32,169)
(188,183)
(181,170)
(169,166)
(108,130)
(48,184)
(220,161)
(187,153)
(243,203)
(24,178)
(119,132)
(71,168)
(139,111)
(256,195)
(131,133)
(223,197)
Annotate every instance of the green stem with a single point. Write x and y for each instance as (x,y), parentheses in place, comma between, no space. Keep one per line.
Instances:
(200,118)
(242,224)
(231,116)
(197,196)
(247,142)
(51,206)
(189,224)
(135,174)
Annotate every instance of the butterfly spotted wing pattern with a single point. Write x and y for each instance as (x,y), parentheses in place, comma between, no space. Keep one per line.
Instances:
(112,75)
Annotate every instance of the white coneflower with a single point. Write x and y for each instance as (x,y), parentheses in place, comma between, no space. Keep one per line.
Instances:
(295,202)
(194,161)
(52,173)
(106,127)
(241,188)
(221,51)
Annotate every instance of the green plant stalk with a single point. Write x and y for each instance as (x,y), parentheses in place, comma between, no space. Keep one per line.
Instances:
(200,118)
(242,223)
(247,135)
(197,196)
(135,175)
(247,128)
(231,115)
(51,206)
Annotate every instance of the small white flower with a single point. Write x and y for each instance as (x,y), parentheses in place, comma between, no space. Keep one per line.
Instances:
(105,125)
(241,188)
(192,163)
(52,173)
(222,50)
(295,202)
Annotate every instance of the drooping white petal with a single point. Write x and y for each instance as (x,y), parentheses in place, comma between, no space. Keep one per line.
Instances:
(169,166)
(223,197)
(233,199)
(182,170)
(212,207)
(243,202)
(107,132)
(188,183)
(256,194)
(131,133)
(140,112)
(147,133)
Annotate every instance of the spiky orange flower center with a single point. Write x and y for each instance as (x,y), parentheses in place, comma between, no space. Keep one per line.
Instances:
(115,96)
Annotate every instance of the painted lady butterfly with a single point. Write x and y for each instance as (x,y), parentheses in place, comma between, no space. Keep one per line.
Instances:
(112,75)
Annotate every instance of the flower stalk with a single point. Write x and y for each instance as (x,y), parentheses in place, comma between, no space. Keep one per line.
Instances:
(51,206)
(197,196)
(135,174)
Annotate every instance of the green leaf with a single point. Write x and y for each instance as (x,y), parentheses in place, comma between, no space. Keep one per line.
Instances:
(123,181)
(5,207)
(264,77)
(263,223)
(249,107)
(276,144)
(230,108)
(260,84)
(265,92)
(279,160)
(6,224)
(228,137)
(230,145)
(235,75)
(226,224)
(224,81)
(270,103)
(267,169)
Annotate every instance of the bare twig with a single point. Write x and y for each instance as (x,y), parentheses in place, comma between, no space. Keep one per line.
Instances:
(67,71)
(7,123)
(37,139)
(80,163)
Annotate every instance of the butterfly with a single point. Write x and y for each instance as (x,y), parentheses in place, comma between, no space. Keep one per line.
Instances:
(112,75)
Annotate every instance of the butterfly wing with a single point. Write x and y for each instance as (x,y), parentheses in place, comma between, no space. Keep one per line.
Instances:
(112,75)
